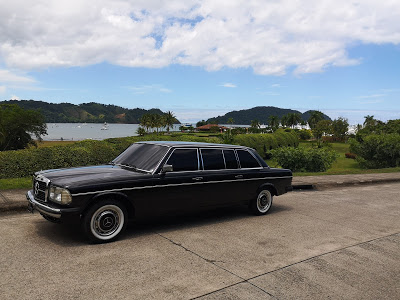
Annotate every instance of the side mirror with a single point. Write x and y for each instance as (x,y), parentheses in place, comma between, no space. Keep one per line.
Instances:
(167,168)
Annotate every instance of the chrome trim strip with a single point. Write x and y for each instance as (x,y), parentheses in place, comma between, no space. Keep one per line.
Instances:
(177,184)
(49,211)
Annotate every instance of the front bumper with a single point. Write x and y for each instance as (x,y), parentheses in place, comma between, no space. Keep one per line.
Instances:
(43,209)
(47,210)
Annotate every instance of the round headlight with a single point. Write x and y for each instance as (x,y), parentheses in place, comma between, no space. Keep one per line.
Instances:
(59,195)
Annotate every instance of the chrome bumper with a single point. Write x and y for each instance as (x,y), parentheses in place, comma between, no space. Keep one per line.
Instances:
(43,209)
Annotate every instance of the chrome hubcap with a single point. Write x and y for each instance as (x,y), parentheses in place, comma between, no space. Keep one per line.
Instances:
(264,201)
(107,222)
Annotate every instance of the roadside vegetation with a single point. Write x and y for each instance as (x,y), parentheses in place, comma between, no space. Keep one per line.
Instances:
(324,149)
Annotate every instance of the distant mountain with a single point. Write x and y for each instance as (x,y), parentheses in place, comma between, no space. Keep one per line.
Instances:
(86,112)
(260,113)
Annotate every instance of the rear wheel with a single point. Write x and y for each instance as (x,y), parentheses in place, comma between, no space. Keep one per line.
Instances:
(262,204)
(105,221)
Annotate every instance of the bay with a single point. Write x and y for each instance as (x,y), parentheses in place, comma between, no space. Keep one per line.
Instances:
(94,131)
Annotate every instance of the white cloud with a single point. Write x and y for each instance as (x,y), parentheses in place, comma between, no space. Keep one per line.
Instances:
(3,89)
(13,97)
(372,96)
(228,85)
(268,37)
(149,88)
(7,76)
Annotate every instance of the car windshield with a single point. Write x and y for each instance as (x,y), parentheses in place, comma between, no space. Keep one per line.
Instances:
(142,157)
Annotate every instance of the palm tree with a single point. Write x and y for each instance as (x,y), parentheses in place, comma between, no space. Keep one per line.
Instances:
(145,121)
(315,117)
(293,119)
(169,120)
(273,121)
(255,124)
(369,121)
(284,121)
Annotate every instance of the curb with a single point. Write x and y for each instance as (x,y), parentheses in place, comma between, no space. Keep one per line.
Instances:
(338,184)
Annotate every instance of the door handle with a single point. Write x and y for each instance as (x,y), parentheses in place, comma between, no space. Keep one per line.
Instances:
(197,178)
(239,176)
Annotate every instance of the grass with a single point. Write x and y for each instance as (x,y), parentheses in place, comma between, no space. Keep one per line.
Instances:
(44,144)
(16,183)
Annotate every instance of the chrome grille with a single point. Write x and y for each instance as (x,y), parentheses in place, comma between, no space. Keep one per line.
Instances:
(40,188)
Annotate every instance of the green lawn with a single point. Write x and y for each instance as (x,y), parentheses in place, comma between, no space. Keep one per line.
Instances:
(16,183)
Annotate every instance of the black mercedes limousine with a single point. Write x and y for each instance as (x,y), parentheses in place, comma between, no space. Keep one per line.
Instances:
(155,178)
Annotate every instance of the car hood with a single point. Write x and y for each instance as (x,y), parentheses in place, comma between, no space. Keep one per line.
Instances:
(94,175)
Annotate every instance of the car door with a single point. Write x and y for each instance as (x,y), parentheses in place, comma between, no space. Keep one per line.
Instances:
(180,189)
(220,173)
(249,176)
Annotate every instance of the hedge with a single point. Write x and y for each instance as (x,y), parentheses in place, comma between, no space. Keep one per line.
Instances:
(265,142)
(22,163)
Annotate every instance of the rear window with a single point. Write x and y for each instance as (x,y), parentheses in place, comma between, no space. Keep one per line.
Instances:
(212,159)
(247,160)
(230,159)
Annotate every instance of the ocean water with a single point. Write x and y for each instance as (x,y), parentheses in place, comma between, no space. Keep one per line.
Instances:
(94,131)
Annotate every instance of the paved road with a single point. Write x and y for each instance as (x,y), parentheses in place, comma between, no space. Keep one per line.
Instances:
(337,243)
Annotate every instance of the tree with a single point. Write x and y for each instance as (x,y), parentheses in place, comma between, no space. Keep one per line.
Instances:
(369,121)
(169,120)
(18,125)
(145,121)
(273,122)
(255,124)
(322,128)
(315,117)
(284,121)
(141,131)
(201,123)
(293,119)
(340,127)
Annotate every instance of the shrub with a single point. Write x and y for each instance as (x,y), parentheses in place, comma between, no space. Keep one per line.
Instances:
(303,159)
(304,134)
(377,150)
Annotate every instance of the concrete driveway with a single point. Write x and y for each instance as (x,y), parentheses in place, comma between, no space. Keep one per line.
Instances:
(337,243)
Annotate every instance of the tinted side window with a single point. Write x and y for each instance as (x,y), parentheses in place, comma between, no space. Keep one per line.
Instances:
(183,160)
(230,159)
(247,160)
(212,159)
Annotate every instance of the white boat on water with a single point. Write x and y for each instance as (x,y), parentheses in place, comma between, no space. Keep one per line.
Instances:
(105,126)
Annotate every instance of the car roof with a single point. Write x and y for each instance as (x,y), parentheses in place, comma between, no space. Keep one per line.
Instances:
(181,144)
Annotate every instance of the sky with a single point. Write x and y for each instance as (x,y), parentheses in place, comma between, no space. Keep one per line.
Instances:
(201,59)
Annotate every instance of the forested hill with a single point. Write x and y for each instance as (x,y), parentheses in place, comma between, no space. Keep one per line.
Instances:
(260,113)
(86,112)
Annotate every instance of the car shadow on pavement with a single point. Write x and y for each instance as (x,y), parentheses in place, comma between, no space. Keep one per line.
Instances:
(71,235)
(187,221)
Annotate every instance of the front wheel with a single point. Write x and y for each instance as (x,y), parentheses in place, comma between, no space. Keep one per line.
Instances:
(104,221)
(262,204)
